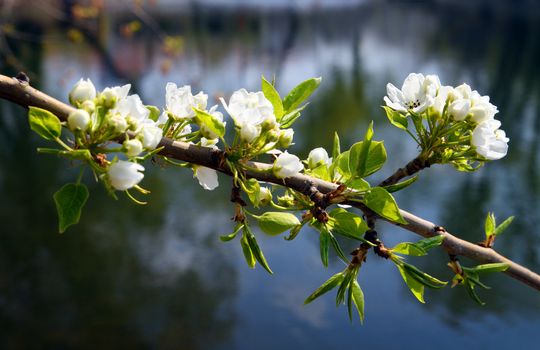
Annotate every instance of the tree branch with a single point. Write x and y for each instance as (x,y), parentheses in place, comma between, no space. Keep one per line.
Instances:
(20,92)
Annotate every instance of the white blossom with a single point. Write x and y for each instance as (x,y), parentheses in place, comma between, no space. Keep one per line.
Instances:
(440,100)
(180,102)
(287,165)
(417,93)
(207,177)
(150,135)
(118,123)
(490,141)
(133,109)
(82,91)
(123,174)
(133,147)
(79,119)
(111,95)
(317,157)
(459,108)
(249,131)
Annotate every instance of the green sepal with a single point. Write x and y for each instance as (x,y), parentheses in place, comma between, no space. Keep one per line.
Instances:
(44,123)
(272,95)
(70,200)
(396,118)
(300,93)
(401,185)
(384,204)
(327,286)
(213,124)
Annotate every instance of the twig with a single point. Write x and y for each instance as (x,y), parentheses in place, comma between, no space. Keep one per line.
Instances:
(20,92)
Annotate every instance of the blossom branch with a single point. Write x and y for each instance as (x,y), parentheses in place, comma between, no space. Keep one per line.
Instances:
(20,92)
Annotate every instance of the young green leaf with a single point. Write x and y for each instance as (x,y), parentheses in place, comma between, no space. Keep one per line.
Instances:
(324,238)
(401,185)
(231,236)
(423,277)
(213,124)
(490,224)
(327,286)
(272,95)
(337,248)
(70,200)
(493,267)
(363,164)
(469,285)
(349,276)
(246,249)
(44,123)
(408,248)
(154,112)
(341,164)
(274,223)
(358,183)
(416,287)
(348,224)
(300,93)
(502,227)
(288,119)
(382,202)
(336,150)
(358,299)
(396,119)
(257,252)
(431,242)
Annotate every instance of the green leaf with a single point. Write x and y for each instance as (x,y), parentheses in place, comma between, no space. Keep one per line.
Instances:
(401,185)
(324,238)
(416,287)
(44,123)
(274,223)
(327,286)
(470,289)
(348,224)
(396,118)
(341,163)
(231,236)
(382,202)
(431,242)
(272,95)
(337,248)
(490,224)
(257,252)
(288,119)
(213,124)
(70,200)
(493,267)
(336,150)
(362,164)
(340,297)
(502,227)
(358,184)
(246,249)
(423,277)
(154,112)
(300,93)
(408,248)
(358,299)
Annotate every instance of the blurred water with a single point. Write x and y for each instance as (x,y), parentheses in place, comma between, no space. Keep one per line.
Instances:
(158,277)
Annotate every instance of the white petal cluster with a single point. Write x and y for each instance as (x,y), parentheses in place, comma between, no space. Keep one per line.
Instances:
(490,141)
(416,95)
(180,102)
(287,165)
(463,102)
(251,112)
(124,175)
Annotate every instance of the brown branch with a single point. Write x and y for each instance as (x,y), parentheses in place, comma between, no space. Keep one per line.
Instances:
(19,92)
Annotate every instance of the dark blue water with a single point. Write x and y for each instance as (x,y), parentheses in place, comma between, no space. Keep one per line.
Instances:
(158,277)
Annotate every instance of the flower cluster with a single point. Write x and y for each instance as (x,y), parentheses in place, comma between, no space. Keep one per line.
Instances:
(453,124)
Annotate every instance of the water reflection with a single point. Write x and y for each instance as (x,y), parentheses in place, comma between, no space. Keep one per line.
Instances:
(157,276)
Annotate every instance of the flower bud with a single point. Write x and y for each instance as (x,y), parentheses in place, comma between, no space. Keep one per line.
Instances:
(286,138)
(123,175)
(264,197)
(133,147)
(88,106)
(82,91)
(317,157)
(269,122)
(150,136)
(273,135)
(287,165)
(459,109)
(108,97)
(118,123)
(79,119)
(249,132)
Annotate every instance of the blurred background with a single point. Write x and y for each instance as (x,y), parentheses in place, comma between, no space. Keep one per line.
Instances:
(157,277)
